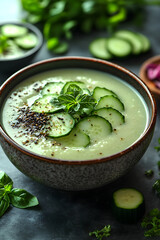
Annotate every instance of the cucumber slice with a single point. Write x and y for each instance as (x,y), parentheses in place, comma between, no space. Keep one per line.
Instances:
(74,139)
(119,47)
(95,127)
(12,51)
(98,49)
(128,205)
(27,41)
(99,92)
(44,104)
(133,38)
(146,42)
(110,101)
(52,88)
(60,124)
(112,115)
(12,31)
(65,87)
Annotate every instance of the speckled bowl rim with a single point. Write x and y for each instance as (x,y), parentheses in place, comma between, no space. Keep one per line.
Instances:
(147,131)
(29,52)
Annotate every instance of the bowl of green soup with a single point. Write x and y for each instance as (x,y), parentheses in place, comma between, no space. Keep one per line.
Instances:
(19,44)
(75,123)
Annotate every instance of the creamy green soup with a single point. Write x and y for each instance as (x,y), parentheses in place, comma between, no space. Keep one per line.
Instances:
(136,115)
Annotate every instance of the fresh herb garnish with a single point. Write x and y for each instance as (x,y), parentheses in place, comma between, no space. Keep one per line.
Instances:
(19,198)
(75,101)
(3,44)
(151,223)
(158,147)
(156,187)
(149,173)
(100,234)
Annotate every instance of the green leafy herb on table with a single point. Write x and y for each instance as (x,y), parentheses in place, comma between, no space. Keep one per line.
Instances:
(60,18)
(149,173)
(151,223)
(156,187)
(158,147)
(100,234)
(19,198)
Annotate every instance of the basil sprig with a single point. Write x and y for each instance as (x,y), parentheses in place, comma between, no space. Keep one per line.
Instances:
(76,101)
(19,198)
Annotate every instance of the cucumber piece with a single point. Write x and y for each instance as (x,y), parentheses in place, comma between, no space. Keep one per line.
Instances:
(74,139)
(12,31)
(119,47)
(12,51)
(133,38)
(128,205)
(110,101)
(78,83)
(52,88)
(98,49)
(112,115)
(99,92)
(146,42)
(27,41)
(95,127)
(60,124)
(44,104)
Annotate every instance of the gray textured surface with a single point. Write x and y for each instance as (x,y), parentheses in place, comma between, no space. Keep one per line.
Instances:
(72,215)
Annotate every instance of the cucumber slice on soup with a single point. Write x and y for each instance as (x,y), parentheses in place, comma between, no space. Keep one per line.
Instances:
(110,101)
(112,115)
(52,88)
(44,104)
(75,138)
(60,124)
(99,92)
(95,127)
(66,86)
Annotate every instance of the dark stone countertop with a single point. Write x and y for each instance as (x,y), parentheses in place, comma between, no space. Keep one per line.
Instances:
(64,215)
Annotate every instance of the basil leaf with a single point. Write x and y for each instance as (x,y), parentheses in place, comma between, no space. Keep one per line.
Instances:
(74,90)
(20,198)
(4,204)
(5,179)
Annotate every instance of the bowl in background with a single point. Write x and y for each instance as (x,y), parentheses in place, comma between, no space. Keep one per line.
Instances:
(144,77)
(77,175)
(11,65)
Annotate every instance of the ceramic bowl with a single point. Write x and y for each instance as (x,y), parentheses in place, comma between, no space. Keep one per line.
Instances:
(10,65)
(144,77)
(77,175)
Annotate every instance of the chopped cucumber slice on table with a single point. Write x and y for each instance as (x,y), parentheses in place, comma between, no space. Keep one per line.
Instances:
(110,101)
(52,88)
(44,104)
(99,92)
(119,47)
(60,124)
(95,127)
(112,115)
(27,41)
(75,138)
(98,49)
(128,205)
(133,38)
(12,31)
(146,42)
